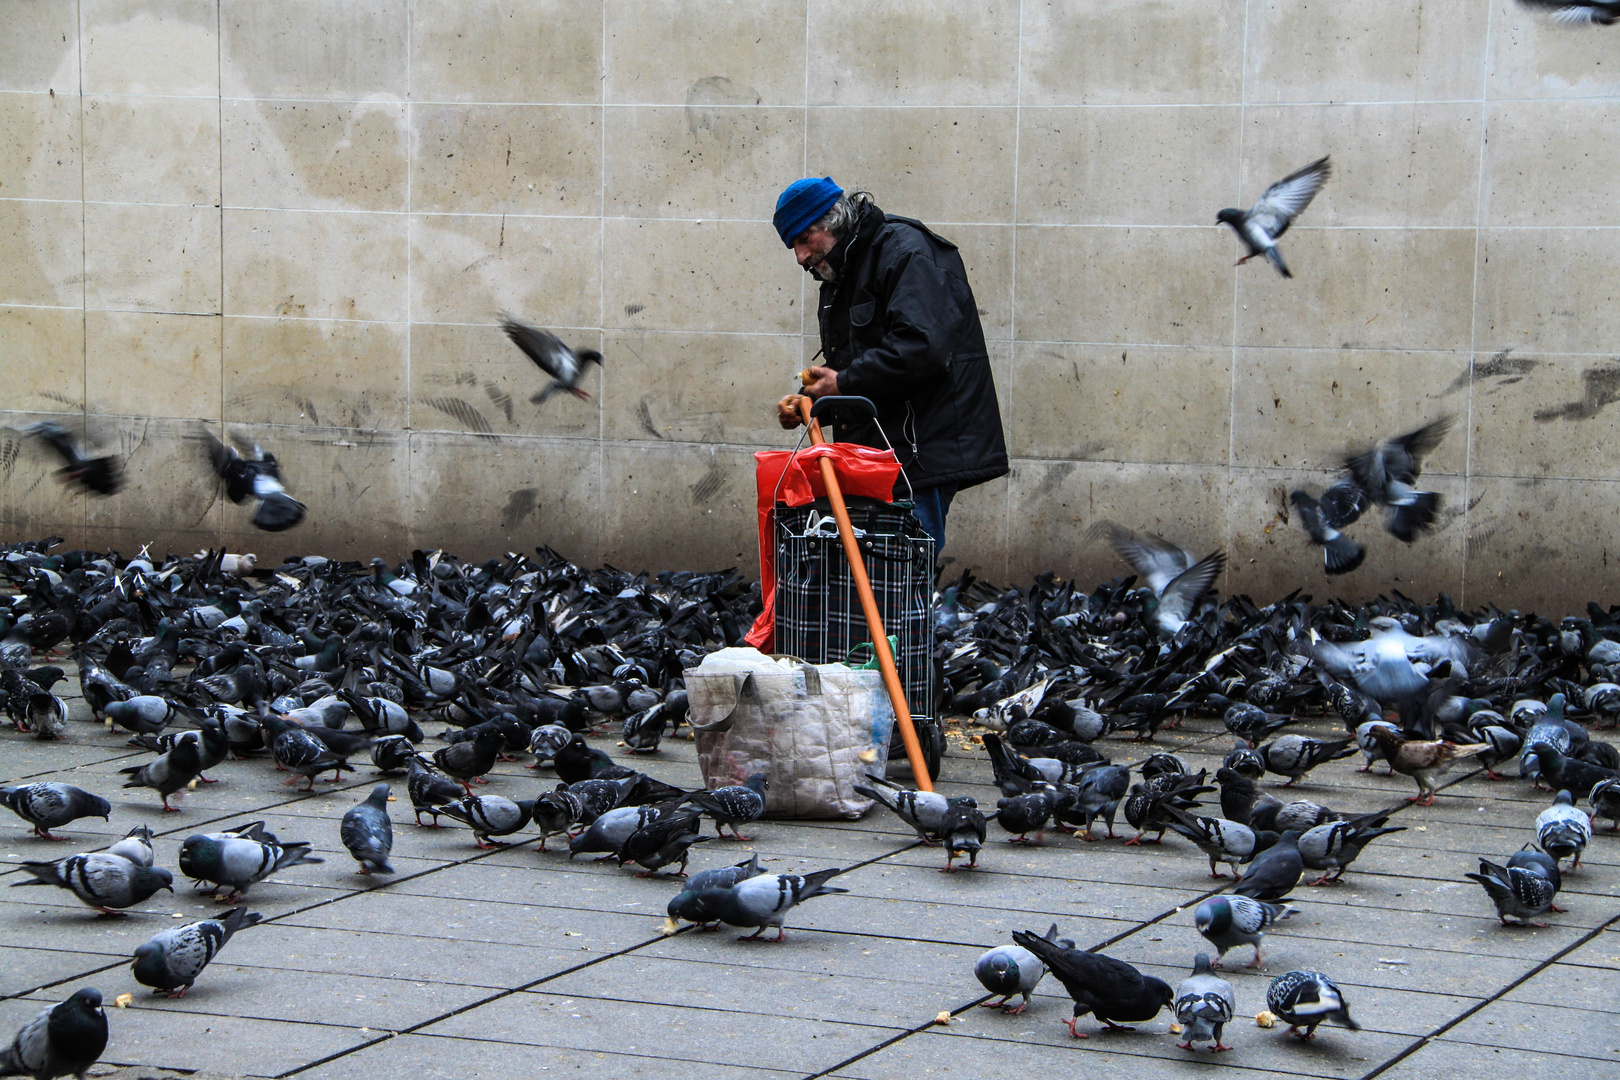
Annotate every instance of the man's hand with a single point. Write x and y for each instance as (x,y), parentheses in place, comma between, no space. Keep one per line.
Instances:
(820,382)
(787,412)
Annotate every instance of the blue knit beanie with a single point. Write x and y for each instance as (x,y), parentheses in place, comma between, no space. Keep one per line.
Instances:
(802,205)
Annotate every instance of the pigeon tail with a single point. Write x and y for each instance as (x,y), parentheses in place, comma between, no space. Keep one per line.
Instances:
(1343,555)
(1405,522)
(1276,259)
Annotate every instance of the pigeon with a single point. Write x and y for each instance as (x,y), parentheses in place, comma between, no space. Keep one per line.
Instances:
(1422,761)
(1013,969)
(1331,847)
(1243,802)
(1303,999)
(369,834)
(661,842)
(1176,580)
(1109,989)
(169,772)
(735,804)
(392,754)
(235,861)
(173,959)
(1295,755)
(1605,802)
(546,740)
(258,476)
(105,882)
(489,815)
(1248,722)
(1579,12)
(1148,805)
(1229,921)
(566,366)
(469,761)
(556,812)
(1275,871)
(1222,840)
(608,832)
(761,901)
(1245,761)
(100,475)
(49,805)
(1518,892)
(1388,472)
(63,1040)
(922,810)
(299,751)
(1563,831)
(643,731)
(962,830)
(1577,776)
(136,846)
(1204,1005)
(1275,211)
(1025,814)
(1340,506)
(429,790)
(210,740)
(597,797)
(143,714)
(725,877)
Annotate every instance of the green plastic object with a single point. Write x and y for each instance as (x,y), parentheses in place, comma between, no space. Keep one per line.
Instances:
(870,664)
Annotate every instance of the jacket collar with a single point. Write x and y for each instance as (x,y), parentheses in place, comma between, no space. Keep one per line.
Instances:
(859,238)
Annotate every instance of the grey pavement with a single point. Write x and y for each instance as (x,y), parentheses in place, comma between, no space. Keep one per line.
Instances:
(515,962)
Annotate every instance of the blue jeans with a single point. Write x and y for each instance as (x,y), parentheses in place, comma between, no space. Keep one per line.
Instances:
(933,503)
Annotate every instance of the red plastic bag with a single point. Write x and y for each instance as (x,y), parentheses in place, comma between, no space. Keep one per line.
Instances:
(861,470)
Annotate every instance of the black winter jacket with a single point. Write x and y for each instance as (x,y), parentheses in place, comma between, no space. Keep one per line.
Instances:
(900,326)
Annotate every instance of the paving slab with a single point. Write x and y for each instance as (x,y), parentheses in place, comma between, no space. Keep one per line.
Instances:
(681,1033)
(1449,1060)
(1522,1025)
(437,1057)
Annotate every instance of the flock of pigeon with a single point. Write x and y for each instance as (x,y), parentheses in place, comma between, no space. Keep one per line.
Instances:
(315,662)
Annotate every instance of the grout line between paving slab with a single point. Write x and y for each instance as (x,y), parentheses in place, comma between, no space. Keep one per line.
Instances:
(1535,970)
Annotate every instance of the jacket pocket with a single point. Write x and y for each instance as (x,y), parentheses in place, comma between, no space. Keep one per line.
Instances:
(861,314)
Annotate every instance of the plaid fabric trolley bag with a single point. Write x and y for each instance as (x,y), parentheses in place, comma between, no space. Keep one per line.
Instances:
(818,612)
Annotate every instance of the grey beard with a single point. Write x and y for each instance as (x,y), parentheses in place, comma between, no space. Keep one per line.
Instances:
(822,271)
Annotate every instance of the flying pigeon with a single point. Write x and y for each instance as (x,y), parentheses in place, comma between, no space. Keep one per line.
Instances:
(1324,517)
(1230,921)
(1388,473)
(49,805)
(566,366)
(1175,578)
(369,834)
(105,882)
(1303,999)
(65,1039)
(256,475)
(1270,217)
(1013,969)
(173,959)
(1579,12)
(101,475)
(1204,1004)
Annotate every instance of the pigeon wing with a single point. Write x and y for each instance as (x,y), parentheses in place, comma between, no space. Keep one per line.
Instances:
(1156,560)
(1182,594)
(543,347)
(1284,200)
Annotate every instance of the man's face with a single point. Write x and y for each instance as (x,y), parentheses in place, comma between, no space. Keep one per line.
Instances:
(811,252)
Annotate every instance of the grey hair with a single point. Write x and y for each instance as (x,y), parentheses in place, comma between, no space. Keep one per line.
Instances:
(844,213)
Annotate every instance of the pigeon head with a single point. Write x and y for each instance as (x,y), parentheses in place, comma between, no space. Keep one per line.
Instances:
(149,879)
(89,998)
(1229,216)
(199,857)
(149,966)
(1213,916)
(1202,965)
(699,905)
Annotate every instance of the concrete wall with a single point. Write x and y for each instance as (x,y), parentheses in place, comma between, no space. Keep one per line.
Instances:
(298,218)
